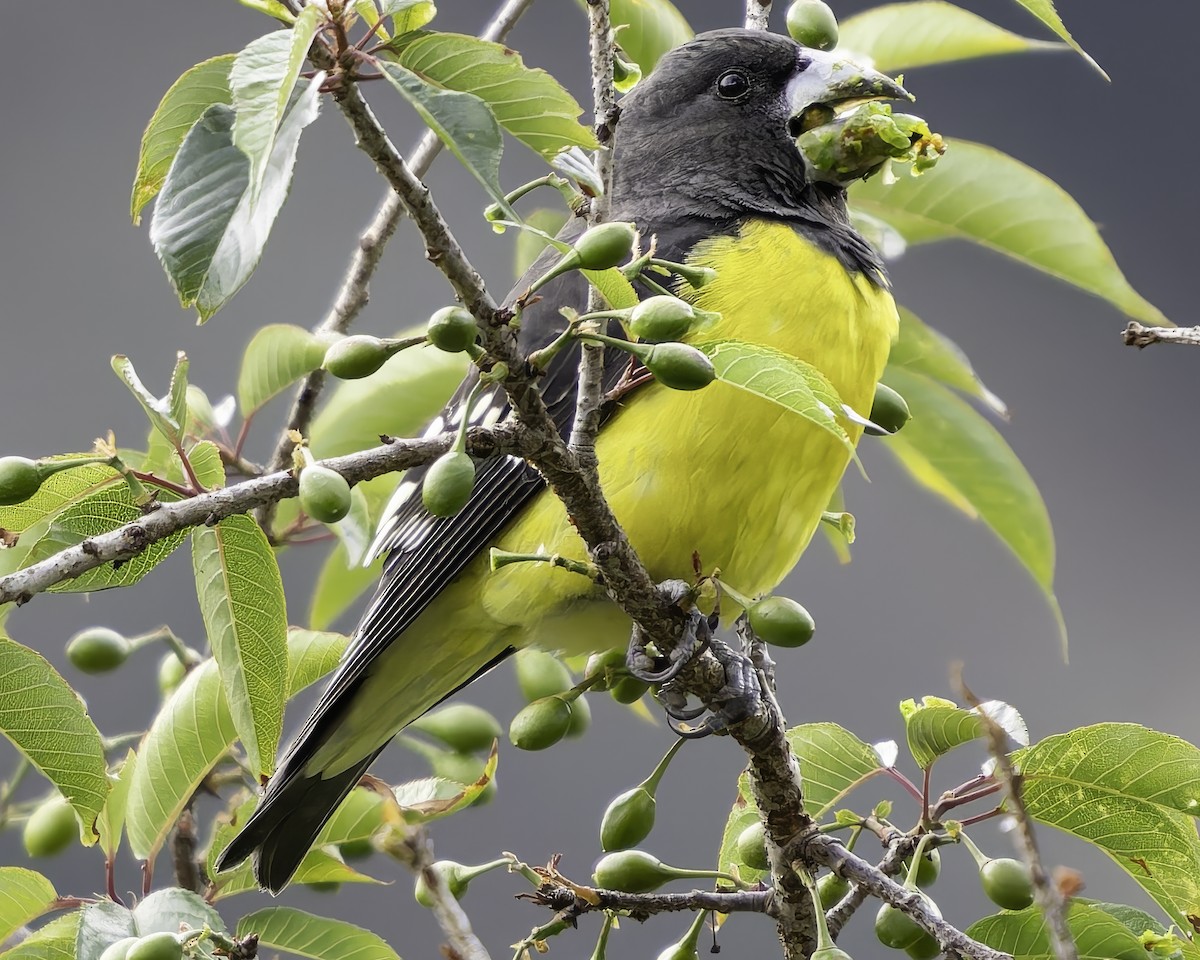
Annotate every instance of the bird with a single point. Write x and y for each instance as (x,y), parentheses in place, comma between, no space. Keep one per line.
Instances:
(706,163)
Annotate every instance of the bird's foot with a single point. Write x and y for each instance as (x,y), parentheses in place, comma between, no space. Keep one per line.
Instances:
(696,636)
(735,701)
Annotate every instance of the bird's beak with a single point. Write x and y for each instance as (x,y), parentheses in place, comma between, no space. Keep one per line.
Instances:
(832,84)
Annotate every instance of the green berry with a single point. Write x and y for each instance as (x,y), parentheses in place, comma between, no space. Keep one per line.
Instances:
(661,318)
(97,650)
(455,877)
(895,928)
(156,946)
(352,358)
(463,727)
(1007,883)
(928,869)
(830,953)
(118,950)
(628,689)
(628,819)
(324,493)
(50,829)
(172,670)
(831,889)
(926,948)
(752,847)
(812,23)
(631,871)
(581,718)
(540,675)
(780,621)
(889,412)
(448,483)
(452,329)
(541,724)
(20,479)
(679,950)
(606,245)
(678,366)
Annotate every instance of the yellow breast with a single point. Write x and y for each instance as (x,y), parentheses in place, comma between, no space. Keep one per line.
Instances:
(719,472)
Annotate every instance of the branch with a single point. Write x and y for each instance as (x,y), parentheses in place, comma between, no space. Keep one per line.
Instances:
(642,906)
(355,290)
(1138,335)
(163,520)
(758,14)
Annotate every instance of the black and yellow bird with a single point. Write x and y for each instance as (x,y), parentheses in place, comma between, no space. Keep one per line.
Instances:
(706,161)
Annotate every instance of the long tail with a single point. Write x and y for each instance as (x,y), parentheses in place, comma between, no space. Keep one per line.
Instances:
(287,821)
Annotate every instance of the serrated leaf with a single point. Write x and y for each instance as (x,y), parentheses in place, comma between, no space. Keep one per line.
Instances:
(205,458)
(902,36)
(950,449)
(646,29)
(47,721)
(1044,11)
(194,729)
(160,411)
(529,103)
(397,400)
(184,103)
(272,8)
(244,608)
(982,195)
(338,585)
(207,230)
(1131,791)
(261,81)
(319,938)
(1023,934)
(176,399)
(60,491)
(277,356)
(106,509)
(101,924)
(24,896)
(926,351)
(112,817)
(408,15)
(358,818)
(54,941)
(433,798)
(833,762)
(462,121)
(168,910)
(1140,923)
(781,379)
(936,726)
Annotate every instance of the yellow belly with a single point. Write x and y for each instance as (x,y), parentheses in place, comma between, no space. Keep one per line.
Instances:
(718,472)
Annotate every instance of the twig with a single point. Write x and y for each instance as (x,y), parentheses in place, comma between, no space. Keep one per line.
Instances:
(1049,900)
(416,852)
(1138,335)
(840,914)
(641,906)
(183,853)
(134,537)
(758,14)
(355,291)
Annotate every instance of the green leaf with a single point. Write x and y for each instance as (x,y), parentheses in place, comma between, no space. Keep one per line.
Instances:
(61,490)
(980,194)
(24,896)
(408,15)
(195,729)
(952,451)
(54,941)
(106,509)
(1140,923)
(169,910)
(901,36)
(1023,934)
(781,379)
(835,535)
(648,28)
(397,400)
(272,8)
(833,762)
(359,816)
(936,726)
(462,121)
(277,356)
(433,798)
(112,818)
(193,93)
(1044,11)
(208,230)
(924,350)
(100,924)
(320,938)
(162,412)
(205,458)
(261,81)
(355,530)
(47,721)
(339,584)
(529,103)
(548,221)
(1132,792)
(245,615)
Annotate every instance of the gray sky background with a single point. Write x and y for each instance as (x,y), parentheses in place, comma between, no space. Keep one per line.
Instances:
(1107,432)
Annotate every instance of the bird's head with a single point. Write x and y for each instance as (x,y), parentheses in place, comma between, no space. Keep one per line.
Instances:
(714,126)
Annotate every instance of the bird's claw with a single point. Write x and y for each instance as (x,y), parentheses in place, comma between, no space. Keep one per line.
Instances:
(694,640)
(737,699)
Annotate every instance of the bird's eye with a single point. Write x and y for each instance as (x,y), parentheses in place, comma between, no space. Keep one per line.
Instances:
(732,84)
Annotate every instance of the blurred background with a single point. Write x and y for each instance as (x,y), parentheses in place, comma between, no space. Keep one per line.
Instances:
(1107,432)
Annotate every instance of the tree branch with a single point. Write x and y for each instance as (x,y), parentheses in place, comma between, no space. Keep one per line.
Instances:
(758,14)
(642,906)
(1138,335)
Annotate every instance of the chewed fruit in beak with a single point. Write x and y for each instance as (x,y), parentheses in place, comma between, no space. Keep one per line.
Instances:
(866,139)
